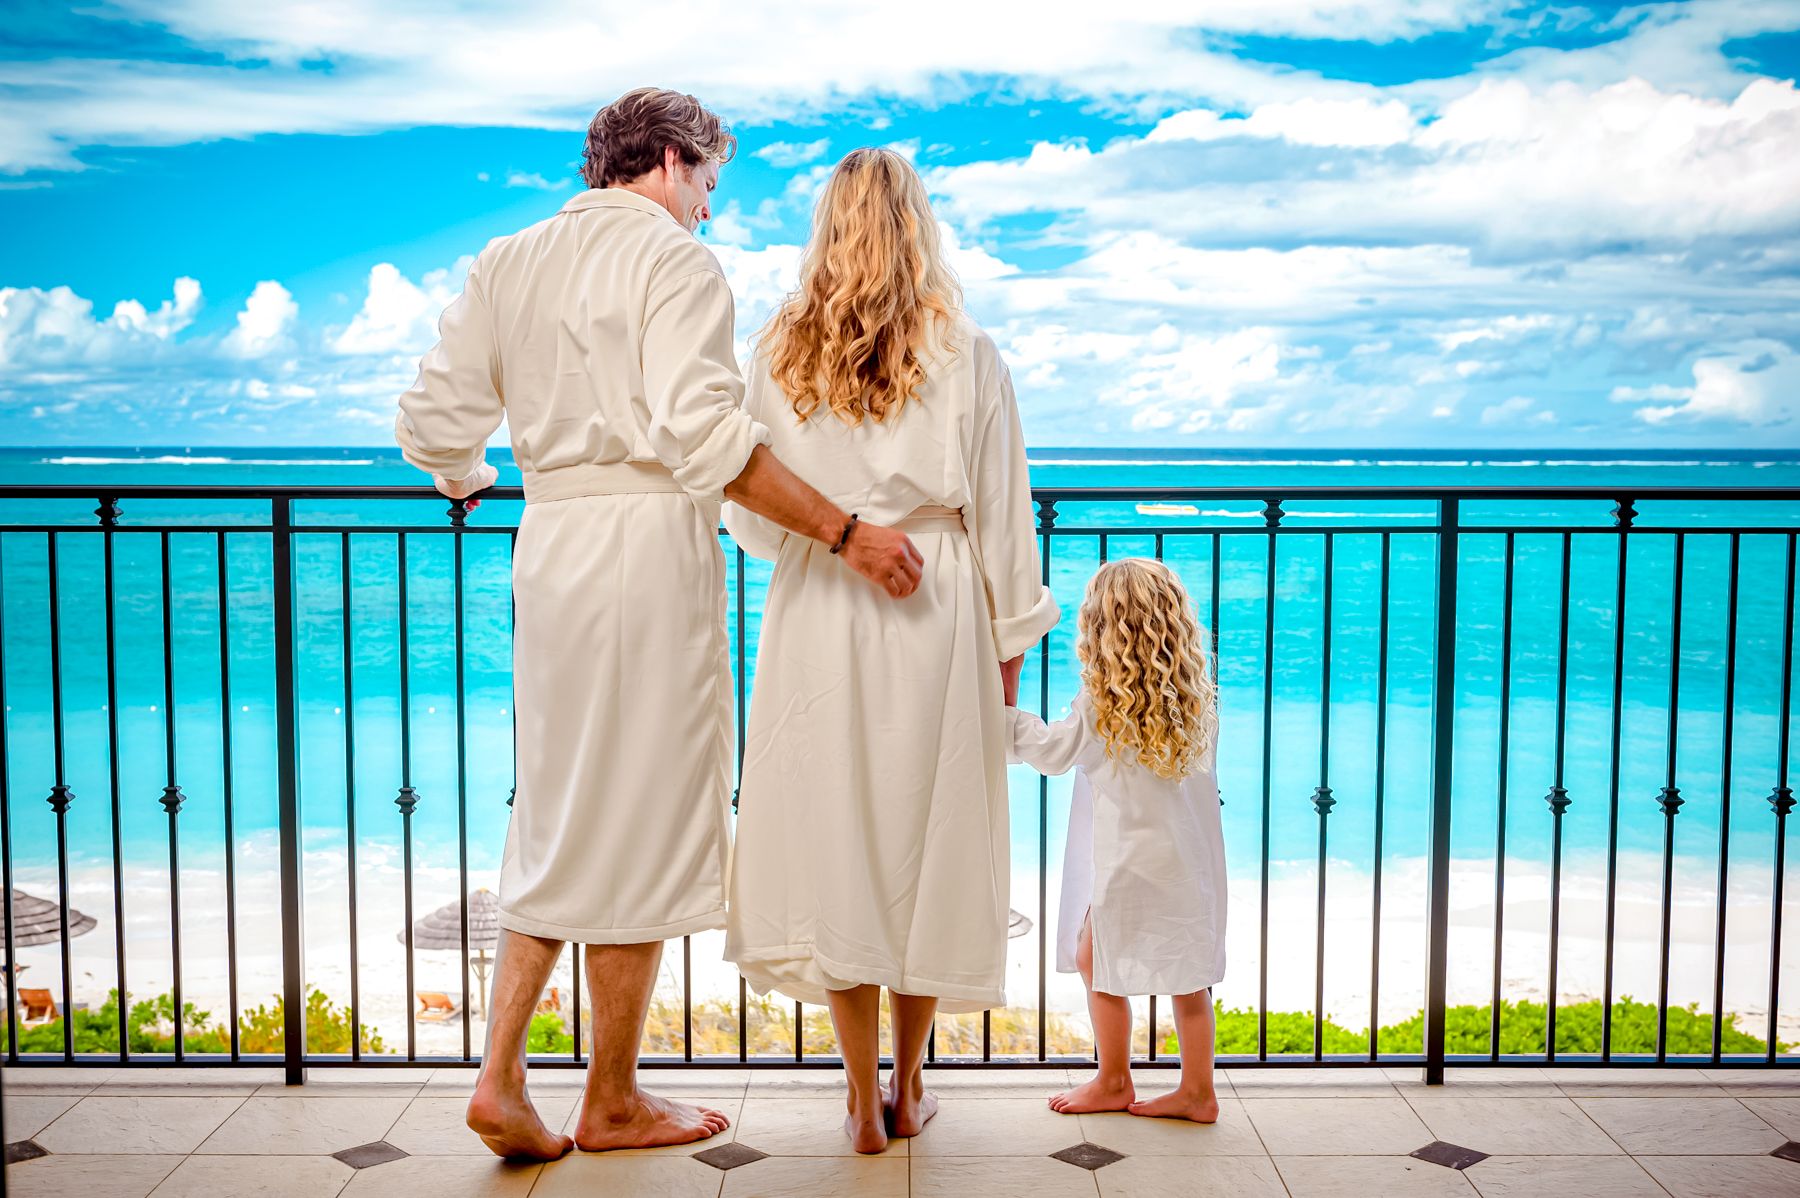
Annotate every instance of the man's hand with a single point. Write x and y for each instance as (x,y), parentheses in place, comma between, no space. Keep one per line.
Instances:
(1009,679)
(886,557)
(462,488)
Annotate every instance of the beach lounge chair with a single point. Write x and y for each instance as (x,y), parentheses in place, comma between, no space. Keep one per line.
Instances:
(436,1007)
(39,1007)
(551,1002)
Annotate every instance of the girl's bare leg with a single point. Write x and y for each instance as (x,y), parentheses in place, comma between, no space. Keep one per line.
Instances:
(856,1014)
(1194,1098)
(1110,1089)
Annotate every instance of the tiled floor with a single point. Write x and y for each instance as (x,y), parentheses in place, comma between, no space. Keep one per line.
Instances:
(200,1132)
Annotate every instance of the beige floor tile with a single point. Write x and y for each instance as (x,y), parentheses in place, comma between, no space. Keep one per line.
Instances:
(434,1126)
(1588,1176)
(807,1127)
(1202,1177)
(1643,1082)
(678,1082)
(1359,1177)
(1780,1113)
(1770,1083)
(27,1114)
(444,1177)
(583,1175)
(1519,1081)
(1150,1082)
(1135,1135)
(53,1079)
(993,1083)
(256,1177)
(195,1080)
(991,1127)
(1513,1126)
(732,1108)
(796,1083)
(1337,1126)
(999,1177)
(60,1176)
(302,1126)
(1682,1126)
(1724,1176)
(137,1125)
(862,1176)
(1251,1082)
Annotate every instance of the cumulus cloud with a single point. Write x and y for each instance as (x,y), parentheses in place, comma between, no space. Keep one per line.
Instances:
(56,327)
(785,155)
(398,315)
(1756,383)
(536,181)
(263,323)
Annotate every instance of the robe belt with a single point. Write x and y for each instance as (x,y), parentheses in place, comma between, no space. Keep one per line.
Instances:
(932,517)
(597,478)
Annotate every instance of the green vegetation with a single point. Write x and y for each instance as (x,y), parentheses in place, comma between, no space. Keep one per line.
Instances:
(150,1028)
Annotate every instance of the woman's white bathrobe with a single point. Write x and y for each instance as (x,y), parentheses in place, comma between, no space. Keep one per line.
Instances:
(872,835)
(604,337)
(1144,861)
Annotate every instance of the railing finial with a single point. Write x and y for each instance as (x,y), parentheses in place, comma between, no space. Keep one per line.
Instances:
(458,512)
(1272,513)
(1046,514)
(1670,800)
(172,798)
(407,800)
(1781,801)
(1624,512)
(1321,800)
(1559,800)
(60,798)
(108,511)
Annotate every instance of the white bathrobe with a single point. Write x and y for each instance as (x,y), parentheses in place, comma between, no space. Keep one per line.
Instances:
(603,335)
(1144,861)
(872,835)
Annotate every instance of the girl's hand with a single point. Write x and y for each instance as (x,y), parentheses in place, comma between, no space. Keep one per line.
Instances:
(1009,679)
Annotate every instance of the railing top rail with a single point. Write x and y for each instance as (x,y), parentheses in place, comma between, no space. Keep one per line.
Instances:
(1058,494)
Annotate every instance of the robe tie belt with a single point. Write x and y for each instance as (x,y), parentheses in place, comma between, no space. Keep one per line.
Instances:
(599,478)
(932,517)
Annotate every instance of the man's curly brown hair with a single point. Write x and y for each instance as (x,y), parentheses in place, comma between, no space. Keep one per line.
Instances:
(627,138)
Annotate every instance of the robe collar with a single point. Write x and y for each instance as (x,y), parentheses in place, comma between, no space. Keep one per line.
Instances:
(615,197)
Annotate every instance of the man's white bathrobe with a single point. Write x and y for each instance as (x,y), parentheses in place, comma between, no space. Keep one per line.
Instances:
(604,337)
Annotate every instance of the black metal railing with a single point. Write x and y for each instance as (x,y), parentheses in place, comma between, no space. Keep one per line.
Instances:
(1409,566)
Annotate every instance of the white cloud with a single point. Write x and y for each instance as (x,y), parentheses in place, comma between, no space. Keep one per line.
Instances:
(1755,384)
(535,180)
(1519,409)
(785,155)
(263,324)
(399,316)
(46,328)
(1305,122)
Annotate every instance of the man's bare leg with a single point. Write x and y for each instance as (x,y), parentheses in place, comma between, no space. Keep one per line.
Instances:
(856,1015)
(614,1112)
(909,1104)
(500,1112)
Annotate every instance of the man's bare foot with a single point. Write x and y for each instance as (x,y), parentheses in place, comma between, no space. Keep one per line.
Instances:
(509,1125)
(1097,1094)
(908,1108)
(644,1121)
(1198,1108)
(867,1132)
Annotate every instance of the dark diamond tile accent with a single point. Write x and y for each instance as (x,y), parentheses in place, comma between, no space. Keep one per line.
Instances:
(1088,1155)
(380,1152)
(24,1150)
(1451,1156)
(729,1156)
(1789,1151)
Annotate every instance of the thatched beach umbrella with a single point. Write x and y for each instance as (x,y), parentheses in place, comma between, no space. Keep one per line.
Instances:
(442,931)
(38,921)
(1016,925)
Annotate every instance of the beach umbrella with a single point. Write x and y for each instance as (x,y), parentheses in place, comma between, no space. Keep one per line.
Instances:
(1016,925)
(442,931)
(38,921)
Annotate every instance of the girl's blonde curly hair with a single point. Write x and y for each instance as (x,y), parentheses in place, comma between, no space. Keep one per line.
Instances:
(1145,668)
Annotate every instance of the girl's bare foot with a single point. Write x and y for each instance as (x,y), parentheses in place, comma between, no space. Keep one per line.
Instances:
(910,1107)
(867,1132)
(509,1125)
(1097,1094)
(644,1121)
(1197,1108)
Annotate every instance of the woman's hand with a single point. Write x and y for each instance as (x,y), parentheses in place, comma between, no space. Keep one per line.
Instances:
(461,488)
(1009,679)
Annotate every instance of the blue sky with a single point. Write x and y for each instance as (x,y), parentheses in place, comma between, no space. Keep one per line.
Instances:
(1280,222)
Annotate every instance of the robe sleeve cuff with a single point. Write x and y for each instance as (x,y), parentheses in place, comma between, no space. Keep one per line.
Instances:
(716,461)
(1015,634)
(450,463)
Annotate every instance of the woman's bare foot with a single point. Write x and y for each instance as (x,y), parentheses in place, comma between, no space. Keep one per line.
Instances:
(1197,1108)
(509,1125)
(644,1121)
(908,1107)
(867,1132)
(1097,1094)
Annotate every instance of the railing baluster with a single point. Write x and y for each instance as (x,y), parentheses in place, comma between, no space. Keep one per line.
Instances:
(6,856)
(1381,688)
(287,727)
(60,794)
(462,773)
(1670,801)
(1781,800)
(347,603)
(1046,526)
(743,1008)
(1501,788)
(1558,800)
(1272,519)
(407,800)
(1322,804)
(1731,615)
(1443,760)
(231,945)
(1623,514)
(172,797)
(109,514)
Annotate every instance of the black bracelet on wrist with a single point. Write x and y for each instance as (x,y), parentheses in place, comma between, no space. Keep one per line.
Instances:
(844,537)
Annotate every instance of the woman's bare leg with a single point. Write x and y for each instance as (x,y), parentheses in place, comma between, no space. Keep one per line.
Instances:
(1110,1089)
(909,1105)
(1194,1098)
(856,1014)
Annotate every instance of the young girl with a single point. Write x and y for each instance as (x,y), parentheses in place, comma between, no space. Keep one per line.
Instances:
(1143,897)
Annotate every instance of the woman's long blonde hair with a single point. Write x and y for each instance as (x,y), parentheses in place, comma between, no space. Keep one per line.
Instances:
(1145,667)
(874,290)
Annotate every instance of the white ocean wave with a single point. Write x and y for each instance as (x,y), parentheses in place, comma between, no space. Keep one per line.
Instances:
(178,460)
(1445,463)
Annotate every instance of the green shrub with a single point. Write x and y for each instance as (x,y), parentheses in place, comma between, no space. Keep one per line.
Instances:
(150,1028)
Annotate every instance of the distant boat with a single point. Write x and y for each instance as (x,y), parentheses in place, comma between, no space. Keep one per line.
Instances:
(1167,509)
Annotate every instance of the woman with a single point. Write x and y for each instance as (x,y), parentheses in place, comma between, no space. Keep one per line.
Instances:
(872,835)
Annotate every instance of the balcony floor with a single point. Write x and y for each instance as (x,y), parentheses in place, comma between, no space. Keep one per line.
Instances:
(128,1133)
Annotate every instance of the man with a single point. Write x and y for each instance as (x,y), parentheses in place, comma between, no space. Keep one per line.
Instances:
(604,335)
